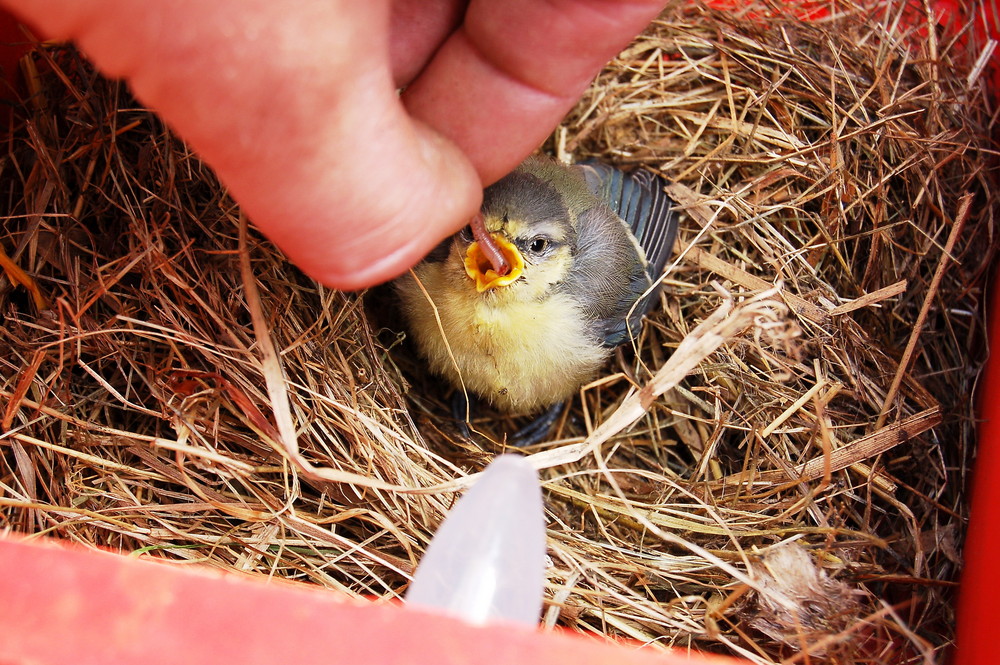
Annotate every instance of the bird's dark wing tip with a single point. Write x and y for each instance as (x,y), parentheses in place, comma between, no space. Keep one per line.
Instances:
(640,199)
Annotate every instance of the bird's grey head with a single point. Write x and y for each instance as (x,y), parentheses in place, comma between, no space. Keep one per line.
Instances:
(532,214)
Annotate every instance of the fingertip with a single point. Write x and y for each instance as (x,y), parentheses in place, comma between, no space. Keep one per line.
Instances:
(352,264)
(411,202)
(365,270)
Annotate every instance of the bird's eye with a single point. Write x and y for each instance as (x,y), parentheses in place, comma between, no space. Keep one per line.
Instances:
(538,245)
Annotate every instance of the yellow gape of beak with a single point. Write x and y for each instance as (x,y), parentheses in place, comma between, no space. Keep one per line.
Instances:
(480,270)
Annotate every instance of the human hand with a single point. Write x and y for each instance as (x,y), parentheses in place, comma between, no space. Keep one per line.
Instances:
(295,106)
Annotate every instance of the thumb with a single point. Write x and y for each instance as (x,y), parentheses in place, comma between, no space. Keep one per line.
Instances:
(297,112)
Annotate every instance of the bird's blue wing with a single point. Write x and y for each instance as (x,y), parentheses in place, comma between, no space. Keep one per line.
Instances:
(639,199)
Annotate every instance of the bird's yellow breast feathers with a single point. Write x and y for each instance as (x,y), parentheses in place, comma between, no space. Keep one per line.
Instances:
(522,354)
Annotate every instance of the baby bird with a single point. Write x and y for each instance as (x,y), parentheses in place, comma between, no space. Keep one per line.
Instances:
(527,304)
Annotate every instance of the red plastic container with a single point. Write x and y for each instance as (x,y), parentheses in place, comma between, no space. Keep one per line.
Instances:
(60,604)
(980,588)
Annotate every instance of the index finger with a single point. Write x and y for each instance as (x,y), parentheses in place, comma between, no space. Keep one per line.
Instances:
(508,75)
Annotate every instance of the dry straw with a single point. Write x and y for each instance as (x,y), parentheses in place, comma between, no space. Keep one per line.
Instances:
(775,469)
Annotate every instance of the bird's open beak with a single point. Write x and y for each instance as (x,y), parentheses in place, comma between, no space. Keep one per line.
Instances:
(480,269)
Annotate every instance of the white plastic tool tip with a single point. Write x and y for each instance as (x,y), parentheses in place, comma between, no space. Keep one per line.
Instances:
(487,559)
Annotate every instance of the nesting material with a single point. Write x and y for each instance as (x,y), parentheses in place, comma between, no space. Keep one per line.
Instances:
(798,603)
(172,386)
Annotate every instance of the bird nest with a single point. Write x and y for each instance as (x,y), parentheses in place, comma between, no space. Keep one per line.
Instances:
(775,468)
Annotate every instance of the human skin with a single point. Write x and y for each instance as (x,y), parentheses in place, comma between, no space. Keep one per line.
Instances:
(296,105)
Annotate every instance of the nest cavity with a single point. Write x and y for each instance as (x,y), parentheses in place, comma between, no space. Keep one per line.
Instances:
(775,469)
